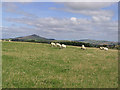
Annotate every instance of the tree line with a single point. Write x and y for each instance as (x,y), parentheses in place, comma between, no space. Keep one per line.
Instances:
(66,42)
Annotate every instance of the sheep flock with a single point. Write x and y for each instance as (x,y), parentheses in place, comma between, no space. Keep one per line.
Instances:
(61,46)
(104,48)
(58,45)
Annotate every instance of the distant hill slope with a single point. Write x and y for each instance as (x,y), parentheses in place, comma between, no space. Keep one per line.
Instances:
(97,42)
(39,38)
(32,37)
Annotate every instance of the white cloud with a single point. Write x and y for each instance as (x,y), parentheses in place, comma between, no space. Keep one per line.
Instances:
(100,25)
(84,0)
(60,0)
(73,19)
(63,27)
(18,0)
(87,5)
(14,9)
(92,9)
(101,18)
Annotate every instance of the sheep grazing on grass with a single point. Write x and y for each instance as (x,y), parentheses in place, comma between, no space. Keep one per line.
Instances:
(83,47)
(106,49)
(58,45)
(63,46)
(101,48)
(53,44)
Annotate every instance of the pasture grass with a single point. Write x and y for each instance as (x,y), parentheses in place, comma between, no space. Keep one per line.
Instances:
(38,65)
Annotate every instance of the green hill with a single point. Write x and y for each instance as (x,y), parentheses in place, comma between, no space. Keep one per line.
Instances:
(32,37)
(35,37)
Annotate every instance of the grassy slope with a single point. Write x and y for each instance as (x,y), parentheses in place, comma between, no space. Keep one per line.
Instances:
(39,65)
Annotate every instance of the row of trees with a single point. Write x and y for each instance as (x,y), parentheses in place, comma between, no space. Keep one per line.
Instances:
(73,43)
(30,40)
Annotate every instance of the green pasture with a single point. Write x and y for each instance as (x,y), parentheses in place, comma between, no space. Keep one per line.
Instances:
(38,65)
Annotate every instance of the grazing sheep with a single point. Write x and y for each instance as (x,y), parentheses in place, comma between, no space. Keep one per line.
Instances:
(53,44)
(9,40)
(106,49)
(101,48)
(83,47)
(58,45)
(63,46)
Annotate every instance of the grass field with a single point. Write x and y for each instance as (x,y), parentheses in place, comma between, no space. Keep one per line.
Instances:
(37,65)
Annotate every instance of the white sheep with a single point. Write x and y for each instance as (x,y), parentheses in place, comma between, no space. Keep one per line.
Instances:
(101,48)
(53,44)
(83,47)
(58,45)
(106,49)
(63,46)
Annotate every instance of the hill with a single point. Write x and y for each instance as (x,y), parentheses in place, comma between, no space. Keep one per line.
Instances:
(97,42)
(32,37)
(36,38)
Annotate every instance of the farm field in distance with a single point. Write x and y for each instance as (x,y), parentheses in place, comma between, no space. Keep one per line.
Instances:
(38,65)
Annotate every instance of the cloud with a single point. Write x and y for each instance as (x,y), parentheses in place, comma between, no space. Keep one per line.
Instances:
(87,5)
(101,18)
(73,19)
(99,26)
(85,0)
(18,0)
(93,9)
(64,28)
(60,1)
(14,9)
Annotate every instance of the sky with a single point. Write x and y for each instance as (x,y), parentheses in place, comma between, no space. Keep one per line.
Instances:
(61,20)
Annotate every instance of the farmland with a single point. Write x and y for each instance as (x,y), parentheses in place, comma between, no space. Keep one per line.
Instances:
(38,65)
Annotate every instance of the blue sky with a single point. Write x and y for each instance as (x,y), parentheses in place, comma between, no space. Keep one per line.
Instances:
(62,21)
